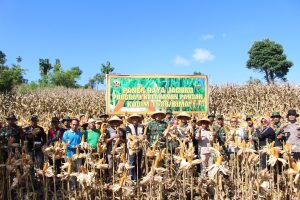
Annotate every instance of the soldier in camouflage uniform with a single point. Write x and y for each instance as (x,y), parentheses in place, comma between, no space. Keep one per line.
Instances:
(276,124)
(211,117)
(156,128)
(11,137)
(250,132)
(169,117)
(186,128)
(212,125)
(220,134)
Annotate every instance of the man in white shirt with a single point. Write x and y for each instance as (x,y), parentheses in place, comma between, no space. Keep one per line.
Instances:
(204,137)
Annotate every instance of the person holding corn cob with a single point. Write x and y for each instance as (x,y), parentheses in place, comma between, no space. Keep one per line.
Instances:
(250,132)
(156,128)
(112,137)
(72,137)
(169,116)
(11,137)
(92,135)
(186,128)
(236,134)
(204,138)
(276,124)
(291,130)
(36,138)
(266,135)
(135,135)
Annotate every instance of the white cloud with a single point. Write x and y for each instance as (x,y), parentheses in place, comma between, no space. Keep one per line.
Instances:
(207,37)
(203,55)
(181,61)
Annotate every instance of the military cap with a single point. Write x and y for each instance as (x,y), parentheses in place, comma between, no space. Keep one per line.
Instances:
(11,117)
(34,118)
(275,114)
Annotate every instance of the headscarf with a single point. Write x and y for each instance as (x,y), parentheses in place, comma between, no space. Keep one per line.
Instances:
(267,120)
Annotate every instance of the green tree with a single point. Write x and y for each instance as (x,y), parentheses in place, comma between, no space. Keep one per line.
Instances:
(2,59)
(105,69)
(94,81)
(100,77)
(253,81)
(45,67)
(267,57)
(54,75)
(10,76)
(67,78)
(198,73)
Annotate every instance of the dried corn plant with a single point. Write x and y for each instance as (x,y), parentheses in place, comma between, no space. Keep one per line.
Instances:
(50,102)
(166,174)
(254,99)
(237,178)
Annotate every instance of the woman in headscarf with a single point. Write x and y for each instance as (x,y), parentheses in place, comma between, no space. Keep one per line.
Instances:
(266,135)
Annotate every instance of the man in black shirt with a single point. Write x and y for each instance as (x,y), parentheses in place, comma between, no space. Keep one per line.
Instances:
(35,138)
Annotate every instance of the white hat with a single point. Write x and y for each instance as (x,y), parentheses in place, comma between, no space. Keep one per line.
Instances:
(129,119)
(91,120)
(153,115)
(183,115)
(199,122)
(115,118)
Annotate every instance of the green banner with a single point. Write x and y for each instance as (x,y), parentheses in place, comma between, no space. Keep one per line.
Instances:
(149,93)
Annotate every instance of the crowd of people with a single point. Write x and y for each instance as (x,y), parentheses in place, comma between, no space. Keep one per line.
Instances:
(134,130)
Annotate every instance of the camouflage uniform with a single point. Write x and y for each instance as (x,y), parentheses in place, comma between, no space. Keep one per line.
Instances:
(179,132)
(276,127)
(14,131)
(155,130)
(221,137)
(169,121)
(221,134)
(6,132)
(250,133)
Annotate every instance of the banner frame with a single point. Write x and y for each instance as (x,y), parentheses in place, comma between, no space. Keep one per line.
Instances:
(109,76)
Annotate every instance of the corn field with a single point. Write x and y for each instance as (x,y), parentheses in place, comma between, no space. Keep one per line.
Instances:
(50,102)
(165,174)
(254,99)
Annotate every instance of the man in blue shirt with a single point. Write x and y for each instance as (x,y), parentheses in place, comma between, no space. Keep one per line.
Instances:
(73,136)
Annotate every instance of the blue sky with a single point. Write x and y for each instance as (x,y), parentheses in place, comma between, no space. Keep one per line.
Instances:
(149,37)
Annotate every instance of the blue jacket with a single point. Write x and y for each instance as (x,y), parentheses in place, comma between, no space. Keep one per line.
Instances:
(74,140)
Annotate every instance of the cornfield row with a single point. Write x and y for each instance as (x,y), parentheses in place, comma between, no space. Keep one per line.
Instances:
(254,99)
(225,99)
(47,103)
(165,174)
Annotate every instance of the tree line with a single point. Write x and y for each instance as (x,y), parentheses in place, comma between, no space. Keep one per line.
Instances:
(265,56)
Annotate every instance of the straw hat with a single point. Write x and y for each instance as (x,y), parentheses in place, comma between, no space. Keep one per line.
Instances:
(158,113)
(199,122)
(129,119)
(91,120)
(183,115)
(98,121)
(115,118)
